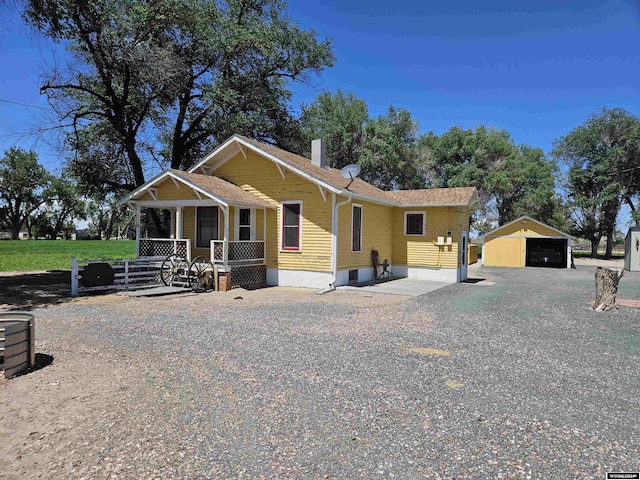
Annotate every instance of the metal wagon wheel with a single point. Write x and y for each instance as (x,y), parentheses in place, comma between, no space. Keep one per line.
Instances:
(174,269)
(200,275)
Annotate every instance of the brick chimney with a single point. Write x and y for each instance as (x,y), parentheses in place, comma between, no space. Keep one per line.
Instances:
(317,153)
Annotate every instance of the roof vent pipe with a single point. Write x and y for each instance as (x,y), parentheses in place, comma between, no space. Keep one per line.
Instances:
(317,153)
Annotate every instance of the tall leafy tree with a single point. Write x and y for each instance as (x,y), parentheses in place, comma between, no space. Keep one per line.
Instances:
(463,158)
(23,187)
(338,118)
(603,159)
(388,158)
(64,204)
(162,82)
(105,215)
(525,185)
(511,180)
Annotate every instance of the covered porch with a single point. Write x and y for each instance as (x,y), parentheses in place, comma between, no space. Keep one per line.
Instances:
(219,237)
(209,217)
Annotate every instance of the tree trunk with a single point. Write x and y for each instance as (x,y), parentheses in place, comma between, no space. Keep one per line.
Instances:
(609,251)
(158,223)
(607,288)
(594,247)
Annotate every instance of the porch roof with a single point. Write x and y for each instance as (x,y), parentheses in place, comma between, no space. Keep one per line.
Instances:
(215,188)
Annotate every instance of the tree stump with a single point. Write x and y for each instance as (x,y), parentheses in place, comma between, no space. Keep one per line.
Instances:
(607,288)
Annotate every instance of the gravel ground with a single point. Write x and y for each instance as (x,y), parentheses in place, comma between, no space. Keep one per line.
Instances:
(515,379)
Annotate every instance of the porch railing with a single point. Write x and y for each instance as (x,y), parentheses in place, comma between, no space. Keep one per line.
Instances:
(242,252)
(163,247)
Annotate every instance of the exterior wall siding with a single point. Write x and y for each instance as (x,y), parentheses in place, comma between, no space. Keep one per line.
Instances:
(167,190)
(261,177)
(377,222)
(504,252)
(420,251)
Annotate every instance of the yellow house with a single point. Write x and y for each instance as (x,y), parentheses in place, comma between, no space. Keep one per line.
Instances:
(270,216)
(527,242)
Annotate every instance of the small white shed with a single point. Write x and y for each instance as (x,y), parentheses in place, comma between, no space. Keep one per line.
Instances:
(632,250)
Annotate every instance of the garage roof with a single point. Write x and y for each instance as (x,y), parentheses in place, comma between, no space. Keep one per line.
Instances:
(496,232)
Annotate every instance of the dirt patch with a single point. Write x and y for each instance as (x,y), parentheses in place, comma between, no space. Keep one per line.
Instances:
(25,291)
(599,262)
(284,383)
(93,411)
(50,416)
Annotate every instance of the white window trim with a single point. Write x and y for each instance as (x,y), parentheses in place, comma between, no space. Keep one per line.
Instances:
(236,223)
(280,233)
(195,227)
(424,223)
(354,205)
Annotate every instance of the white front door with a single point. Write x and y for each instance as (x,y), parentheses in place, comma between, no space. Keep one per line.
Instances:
(463,255)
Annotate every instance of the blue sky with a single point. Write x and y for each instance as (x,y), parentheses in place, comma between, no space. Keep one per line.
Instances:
(535,68)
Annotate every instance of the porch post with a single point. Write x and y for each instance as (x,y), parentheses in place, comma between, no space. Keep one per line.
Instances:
(226,236)
(264,235)
(137,229)
(172,226)
(179,228)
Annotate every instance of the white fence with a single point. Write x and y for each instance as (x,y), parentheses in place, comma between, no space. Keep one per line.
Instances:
(245,252)
(119,274)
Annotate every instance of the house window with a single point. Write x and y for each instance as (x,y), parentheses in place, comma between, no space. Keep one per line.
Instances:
(244,224)
(356,228)
(415,223)
(206,226)
(291,225)
(353,276)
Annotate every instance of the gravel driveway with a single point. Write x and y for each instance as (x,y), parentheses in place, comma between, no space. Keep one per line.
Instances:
(516,379)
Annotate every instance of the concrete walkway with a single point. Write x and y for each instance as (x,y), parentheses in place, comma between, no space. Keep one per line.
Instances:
(401,286)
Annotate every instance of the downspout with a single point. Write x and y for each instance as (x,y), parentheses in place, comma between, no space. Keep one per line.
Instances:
(334,236)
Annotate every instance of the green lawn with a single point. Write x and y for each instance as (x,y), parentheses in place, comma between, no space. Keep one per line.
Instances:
(31,255)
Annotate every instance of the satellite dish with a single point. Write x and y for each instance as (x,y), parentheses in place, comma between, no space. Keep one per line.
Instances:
(350,171)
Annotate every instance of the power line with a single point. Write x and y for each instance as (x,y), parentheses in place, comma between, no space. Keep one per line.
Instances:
(24,104)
